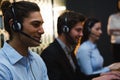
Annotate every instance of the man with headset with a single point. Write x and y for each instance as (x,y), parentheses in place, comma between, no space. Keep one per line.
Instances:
(58,56)
(23,22)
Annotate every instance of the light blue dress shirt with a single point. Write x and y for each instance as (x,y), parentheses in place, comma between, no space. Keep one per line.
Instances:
(14,66)
(90,60)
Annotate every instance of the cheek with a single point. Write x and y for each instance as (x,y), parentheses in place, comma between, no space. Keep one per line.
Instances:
(73,34)
(29,30)
(95,31)
(27,27)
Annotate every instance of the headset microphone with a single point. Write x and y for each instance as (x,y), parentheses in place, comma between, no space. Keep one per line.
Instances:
(94,35)
(23,33)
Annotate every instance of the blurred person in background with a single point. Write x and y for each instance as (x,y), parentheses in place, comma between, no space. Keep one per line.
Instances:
(88,55)
(114,32)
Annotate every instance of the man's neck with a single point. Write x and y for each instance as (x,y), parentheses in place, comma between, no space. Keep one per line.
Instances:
(68,45)
(19,48)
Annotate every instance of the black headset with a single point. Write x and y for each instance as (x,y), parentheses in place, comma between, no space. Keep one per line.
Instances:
(90,23)
(65,27)
(16,25)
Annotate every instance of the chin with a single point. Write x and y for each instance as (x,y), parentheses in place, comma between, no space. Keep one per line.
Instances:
(97,38)
(35,44)
(74,43)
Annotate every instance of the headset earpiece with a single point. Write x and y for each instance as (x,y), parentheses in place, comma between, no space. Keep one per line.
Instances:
(65,29)
(89,29)
(16,25)
(90,23)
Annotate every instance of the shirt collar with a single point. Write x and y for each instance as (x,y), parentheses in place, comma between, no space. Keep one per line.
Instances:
(91,44)
(12,54)
(64,47)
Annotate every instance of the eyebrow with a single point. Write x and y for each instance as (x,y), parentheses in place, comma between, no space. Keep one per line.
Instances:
(41,22)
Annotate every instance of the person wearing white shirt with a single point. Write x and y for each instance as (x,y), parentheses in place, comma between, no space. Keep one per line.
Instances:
(113,29)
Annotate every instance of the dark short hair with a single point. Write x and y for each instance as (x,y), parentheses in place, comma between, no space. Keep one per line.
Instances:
(72,19)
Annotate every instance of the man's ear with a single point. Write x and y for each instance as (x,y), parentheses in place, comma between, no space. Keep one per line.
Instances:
(11,22)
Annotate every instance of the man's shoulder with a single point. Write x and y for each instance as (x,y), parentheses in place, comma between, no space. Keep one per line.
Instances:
(52,51)
(4,62)
(54,46)
(3,57)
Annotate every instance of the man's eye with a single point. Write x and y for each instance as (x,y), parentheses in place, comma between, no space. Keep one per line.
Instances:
(79,30)
(36,24)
